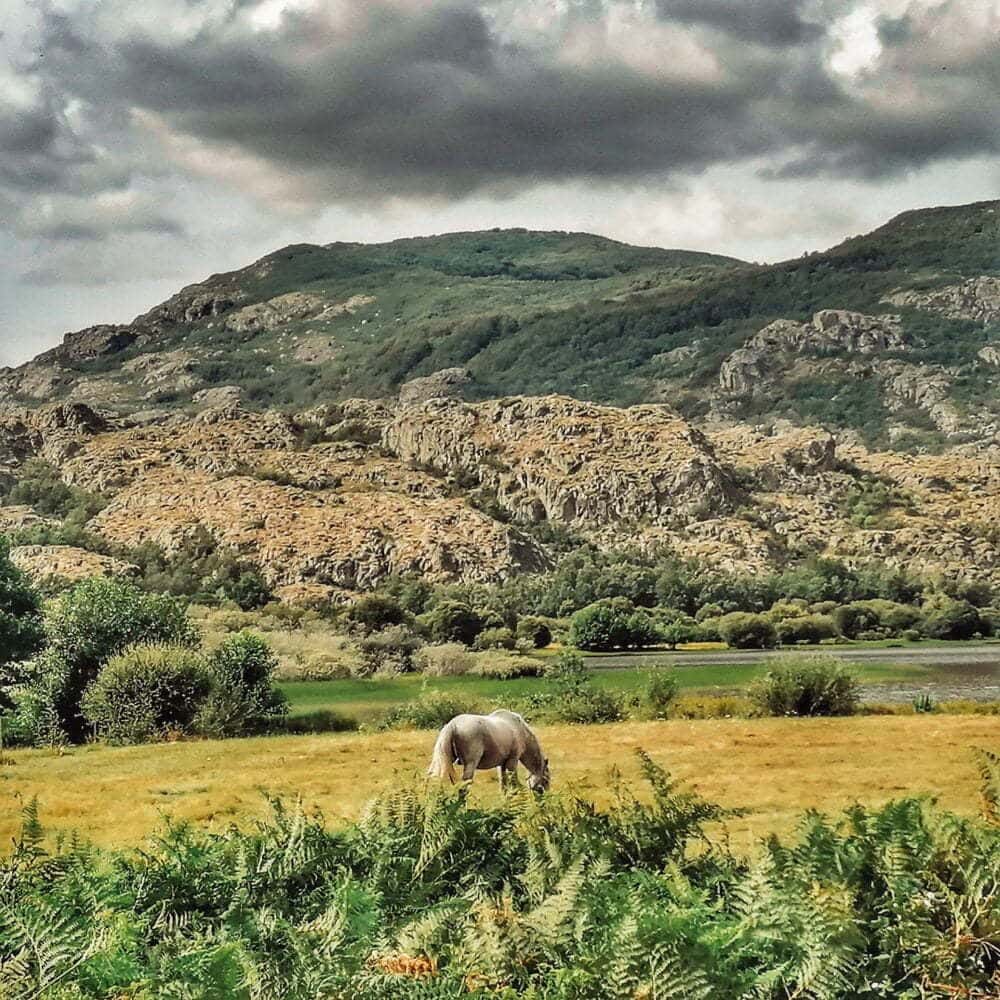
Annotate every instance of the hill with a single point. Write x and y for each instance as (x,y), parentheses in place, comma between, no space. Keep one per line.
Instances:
(461,406)
(535,313)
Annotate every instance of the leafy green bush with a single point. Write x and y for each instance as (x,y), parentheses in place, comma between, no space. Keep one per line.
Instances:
(451,621)
(89,624)
(390,651)
(806,629)
(147,692)
(948,619)
(21,633)
(677,632)
(450,659)
(40,486)
(374,612)
(536,630)
(876,618)
(569,695)
(243,698)
(658,693)
(807,685)
(494,638)
(745,631)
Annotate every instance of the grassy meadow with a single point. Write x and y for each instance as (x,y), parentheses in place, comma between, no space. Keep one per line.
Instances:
(775,768)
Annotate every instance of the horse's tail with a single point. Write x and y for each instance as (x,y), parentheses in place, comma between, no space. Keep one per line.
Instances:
(443,758)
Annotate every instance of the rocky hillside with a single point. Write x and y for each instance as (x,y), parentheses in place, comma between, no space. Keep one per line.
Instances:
(341,496)
(338,414)
(894,335)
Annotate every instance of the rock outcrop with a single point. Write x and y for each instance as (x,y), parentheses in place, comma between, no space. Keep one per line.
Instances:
(977,299)
(559,459)
(773,350)
(66,562)
(449,383)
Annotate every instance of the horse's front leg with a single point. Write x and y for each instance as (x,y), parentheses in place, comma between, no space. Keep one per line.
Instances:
(508,775)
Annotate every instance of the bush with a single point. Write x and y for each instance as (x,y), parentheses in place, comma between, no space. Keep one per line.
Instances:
(807,685)
(451,659)
(657,694)
(875,618)
(948,619)
(608,625)
(243,698)
(495,638)
(93,622)
(451,621)
(390,651)
(21,633)
(323,720)
(808,629)
(746,631)
(249,590)
(505,666)
(536,630)
(374,612)
(146,693)
(430,711)
(569,695)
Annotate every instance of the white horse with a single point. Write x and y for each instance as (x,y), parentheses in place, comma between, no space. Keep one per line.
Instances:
(478,742)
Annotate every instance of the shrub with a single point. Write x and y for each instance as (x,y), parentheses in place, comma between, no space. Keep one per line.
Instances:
(505,666)
(807,685)
(536,630)
(374,612)
(146,692)
(808,629)
(91,623)
(249,590)
(451,659)
(243,698)
(710,610)
(569,695)
(710,707)
(21,633)
(745,631)
(430,711)
(948,619)
(657,694)
(495,638)
(613,624)
(390,651)
(451,621)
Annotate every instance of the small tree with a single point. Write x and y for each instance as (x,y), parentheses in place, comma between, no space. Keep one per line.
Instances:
(678,632)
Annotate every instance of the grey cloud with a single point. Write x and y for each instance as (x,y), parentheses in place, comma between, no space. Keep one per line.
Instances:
(767,22)
(445,99)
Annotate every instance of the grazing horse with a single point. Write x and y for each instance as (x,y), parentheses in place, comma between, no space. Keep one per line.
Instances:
(479,742)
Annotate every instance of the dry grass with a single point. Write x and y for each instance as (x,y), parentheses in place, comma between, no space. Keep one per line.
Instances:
(775,767)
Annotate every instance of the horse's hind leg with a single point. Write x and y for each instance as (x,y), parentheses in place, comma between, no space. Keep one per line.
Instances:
(469,768)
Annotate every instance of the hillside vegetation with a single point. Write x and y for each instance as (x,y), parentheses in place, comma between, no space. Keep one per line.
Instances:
(534,313)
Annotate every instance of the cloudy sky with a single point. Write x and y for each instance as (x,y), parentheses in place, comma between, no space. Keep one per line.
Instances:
(147,143)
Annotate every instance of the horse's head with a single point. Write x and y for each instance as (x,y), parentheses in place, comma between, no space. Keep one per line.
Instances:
(540,782)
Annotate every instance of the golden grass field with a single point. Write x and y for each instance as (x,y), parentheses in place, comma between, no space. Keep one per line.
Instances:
(774,767)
